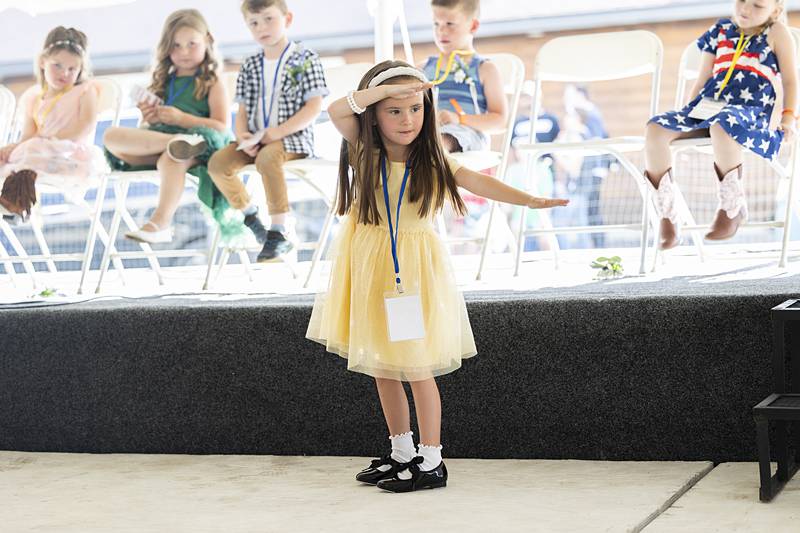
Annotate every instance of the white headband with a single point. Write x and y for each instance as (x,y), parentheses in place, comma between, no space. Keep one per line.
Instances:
(395,72)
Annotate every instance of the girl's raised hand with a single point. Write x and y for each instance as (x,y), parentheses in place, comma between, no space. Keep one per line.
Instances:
(544,203)
(406,90)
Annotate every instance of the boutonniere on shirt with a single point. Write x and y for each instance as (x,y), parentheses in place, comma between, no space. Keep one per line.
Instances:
(460,74)
(297,70)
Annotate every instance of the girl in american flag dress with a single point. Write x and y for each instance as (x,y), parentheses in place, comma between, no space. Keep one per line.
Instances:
(732,101)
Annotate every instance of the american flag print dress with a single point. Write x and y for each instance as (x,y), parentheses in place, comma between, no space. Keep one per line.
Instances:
(749,95)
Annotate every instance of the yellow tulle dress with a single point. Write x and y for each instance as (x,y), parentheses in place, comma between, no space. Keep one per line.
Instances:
(350,318)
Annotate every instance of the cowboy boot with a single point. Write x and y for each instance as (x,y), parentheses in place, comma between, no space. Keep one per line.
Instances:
(665,207)
(732,210)
(19,193)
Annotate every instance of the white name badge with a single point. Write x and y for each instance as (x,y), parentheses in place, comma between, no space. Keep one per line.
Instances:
(404,316)
(707,108)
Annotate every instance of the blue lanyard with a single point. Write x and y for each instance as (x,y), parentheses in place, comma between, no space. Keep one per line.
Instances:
(393,230)
(171,94)
(264,113)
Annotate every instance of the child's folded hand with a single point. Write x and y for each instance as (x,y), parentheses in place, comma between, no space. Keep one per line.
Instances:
(446,117)
(5,152)
(169,115)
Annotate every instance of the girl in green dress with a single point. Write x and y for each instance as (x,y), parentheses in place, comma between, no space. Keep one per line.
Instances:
(185,120)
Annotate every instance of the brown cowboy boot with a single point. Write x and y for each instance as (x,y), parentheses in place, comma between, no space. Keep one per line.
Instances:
(19,193)
(665,207)
(732,209)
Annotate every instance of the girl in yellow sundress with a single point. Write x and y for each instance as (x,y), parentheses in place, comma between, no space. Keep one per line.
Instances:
(392,307)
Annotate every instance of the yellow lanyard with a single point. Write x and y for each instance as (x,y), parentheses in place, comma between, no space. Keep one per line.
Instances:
(740,46)
(449,67)
(39,118)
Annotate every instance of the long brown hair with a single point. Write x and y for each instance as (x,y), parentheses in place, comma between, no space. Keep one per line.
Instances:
(207,71)
(431,176)
(69,39)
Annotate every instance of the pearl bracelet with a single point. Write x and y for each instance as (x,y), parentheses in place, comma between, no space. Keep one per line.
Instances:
(351,101)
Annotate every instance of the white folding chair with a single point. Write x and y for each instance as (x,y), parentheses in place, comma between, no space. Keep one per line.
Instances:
(339,79)
(108,109)
(121,182)
(688,72)
(8,104)
(512,72)
(589,58)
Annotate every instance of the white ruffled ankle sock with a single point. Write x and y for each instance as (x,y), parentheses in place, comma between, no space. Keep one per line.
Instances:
(431,455)
(403,449)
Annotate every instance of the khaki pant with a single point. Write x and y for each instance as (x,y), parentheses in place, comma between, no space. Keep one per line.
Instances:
(224,167)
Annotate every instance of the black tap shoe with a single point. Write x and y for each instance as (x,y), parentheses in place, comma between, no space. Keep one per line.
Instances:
(430,479)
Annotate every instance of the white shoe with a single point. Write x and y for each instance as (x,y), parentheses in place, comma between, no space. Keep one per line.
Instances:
(160,236)
(184,147)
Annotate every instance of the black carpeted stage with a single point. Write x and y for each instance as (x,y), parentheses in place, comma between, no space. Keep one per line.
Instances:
(664,370)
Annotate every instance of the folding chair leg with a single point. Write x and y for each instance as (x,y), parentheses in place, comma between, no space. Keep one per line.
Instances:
(120,193)
(151,259)
(322,243)
(790,200)
(645,226)
(92,237)
(520,241)
(20,251)
(485,247)
(36,227)
(245,260)
(223,260)
(212,253)
(8,265)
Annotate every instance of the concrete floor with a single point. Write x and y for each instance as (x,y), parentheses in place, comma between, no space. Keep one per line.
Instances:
(66,493)
(726,500)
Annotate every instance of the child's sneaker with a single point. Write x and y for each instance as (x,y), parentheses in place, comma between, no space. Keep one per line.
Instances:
(275,246)
(429,479)
(254,224)
(184,147)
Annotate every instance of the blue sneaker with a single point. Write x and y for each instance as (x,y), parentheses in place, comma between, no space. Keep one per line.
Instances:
(275,246)
(255,225)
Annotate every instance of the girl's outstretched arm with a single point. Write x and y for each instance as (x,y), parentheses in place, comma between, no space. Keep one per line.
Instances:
(345,119)
(87,117)
(494,189)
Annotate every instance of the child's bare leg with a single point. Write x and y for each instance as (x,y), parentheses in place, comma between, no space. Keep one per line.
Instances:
(173,177)
(395,405)
(732,209)
(429,411)
(657,155)
(727,152)
(135,142)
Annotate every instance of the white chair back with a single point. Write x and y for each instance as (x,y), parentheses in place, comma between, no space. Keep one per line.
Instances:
(7,109)
(109,102)
(599,56)
(512,72)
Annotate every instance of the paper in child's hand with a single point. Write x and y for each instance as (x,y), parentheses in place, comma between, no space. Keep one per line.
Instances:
(251,141)
(142,95)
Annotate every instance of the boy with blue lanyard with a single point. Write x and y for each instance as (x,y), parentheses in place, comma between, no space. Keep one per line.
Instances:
(279,91)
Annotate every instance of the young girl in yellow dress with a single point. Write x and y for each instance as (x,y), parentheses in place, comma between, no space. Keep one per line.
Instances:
(392,307)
